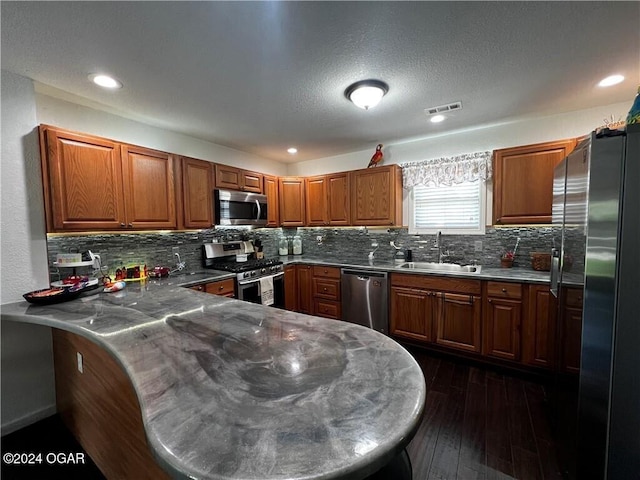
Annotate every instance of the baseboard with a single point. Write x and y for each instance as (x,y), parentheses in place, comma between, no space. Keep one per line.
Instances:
(28,419)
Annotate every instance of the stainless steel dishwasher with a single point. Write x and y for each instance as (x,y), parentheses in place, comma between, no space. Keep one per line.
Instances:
(365,299)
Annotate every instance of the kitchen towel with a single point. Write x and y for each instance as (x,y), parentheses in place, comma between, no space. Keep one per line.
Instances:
(266,290)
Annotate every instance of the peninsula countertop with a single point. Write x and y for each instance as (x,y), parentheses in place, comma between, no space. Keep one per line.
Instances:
(233,390)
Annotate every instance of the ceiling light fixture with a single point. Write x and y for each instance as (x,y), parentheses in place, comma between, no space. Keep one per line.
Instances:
(292,150)
(437,118)
(105,81)
(611,80)
(366,93)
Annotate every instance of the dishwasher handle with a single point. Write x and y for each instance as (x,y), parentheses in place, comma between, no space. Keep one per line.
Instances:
(364,275)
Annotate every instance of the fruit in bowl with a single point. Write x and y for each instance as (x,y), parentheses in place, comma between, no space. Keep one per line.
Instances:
(75,279)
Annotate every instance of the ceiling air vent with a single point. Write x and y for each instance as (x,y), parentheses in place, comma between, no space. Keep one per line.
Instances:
(443,108)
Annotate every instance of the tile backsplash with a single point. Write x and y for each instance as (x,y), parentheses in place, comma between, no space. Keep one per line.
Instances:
(155,248)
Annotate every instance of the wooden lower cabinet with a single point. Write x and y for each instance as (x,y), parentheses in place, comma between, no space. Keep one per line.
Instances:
(291,288)
(502,328)
(305,297)
(411,313)
(538,328)
(458,321)
(224,288)
(326,291)
(100,405)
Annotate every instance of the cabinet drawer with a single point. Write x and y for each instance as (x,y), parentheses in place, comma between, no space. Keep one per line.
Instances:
(329,272)
(574,297)
(198,288)
(504,290)
(223,287)
(326,288)
(327,309)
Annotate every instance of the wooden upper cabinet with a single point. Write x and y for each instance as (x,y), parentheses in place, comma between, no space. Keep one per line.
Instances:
(291,194)
(376,196)
(149,188)
(339,201)
(273,203)
(316,201)
(238,179)
(523,181)
(197,193)
(82,179)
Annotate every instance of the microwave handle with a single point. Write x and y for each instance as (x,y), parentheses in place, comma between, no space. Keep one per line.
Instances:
(259,210)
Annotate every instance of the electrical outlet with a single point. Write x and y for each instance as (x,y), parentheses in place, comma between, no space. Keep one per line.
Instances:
(80,366)
(477,245)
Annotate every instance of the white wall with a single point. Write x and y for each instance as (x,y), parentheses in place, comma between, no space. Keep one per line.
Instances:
(64,114)
(26,355)
(522,131)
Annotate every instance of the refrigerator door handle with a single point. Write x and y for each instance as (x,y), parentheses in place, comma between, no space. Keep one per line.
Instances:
(555,272)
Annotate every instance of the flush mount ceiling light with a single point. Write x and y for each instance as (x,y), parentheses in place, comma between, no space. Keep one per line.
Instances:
(366,93)
(105,81)
(437,118)
(611,80)
(292,150)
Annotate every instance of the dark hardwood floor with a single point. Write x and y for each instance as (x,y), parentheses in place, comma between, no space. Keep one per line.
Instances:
(46,437)
(478,424)
(481,424)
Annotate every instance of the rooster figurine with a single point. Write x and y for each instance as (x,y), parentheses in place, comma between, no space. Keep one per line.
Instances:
(377,157)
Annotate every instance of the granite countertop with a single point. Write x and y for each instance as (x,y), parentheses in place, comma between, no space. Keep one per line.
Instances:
(523,275)
(233,390)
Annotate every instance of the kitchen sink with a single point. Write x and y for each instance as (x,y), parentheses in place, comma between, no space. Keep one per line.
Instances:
(441,267)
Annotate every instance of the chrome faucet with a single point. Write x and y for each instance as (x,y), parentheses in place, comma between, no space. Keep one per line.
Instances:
(375,246)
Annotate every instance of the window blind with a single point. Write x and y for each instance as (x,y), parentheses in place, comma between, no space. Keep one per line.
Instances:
(456,206)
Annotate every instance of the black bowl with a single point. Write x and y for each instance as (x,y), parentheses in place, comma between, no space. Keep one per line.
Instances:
(64,295)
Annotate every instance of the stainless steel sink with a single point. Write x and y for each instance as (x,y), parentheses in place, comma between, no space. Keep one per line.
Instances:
(441,267)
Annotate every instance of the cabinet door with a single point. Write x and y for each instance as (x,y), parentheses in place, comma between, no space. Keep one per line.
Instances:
(538,337)
(292,201)
(149,189)
(273,210)
(523,181)
(458,321)
(376,196)
(197,186)
(502,328)
(290,288)
(228,177)
(305,299)
(251,182)
(316,201)
(571,340)
(338,200)
(82,176)
(412,314)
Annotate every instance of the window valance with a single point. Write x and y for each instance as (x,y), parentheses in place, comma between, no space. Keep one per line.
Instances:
(447,171)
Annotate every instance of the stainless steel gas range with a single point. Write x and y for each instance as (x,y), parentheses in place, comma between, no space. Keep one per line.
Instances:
(257,280)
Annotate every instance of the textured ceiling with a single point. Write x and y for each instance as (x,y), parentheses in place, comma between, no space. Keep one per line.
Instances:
(260,77)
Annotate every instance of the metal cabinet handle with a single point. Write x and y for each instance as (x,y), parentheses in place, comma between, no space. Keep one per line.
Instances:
(131,225)
(221,287)
(490,301)
(324,289)
(122,225)
(504,290)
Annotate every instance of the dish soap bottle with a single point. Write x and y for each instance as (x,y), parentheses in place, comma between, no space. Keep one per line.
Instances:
(297,245)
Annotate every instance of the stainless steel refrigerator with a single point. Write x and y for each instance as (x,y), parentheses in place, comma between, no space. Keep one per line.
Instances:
(596,401)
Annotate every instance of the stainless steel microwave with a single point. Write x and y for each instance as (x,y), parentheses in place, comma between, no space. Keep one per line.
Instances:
(239,208)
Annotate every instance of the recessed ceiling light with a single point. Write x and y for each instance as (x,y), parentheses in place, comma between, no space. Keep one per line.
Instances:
(437,118)
(611,80)
(366,93)
(105,81)
(292,150)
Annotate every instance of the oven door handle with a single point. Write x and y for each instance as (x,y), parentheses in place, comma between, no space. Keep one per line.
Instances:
(255,280)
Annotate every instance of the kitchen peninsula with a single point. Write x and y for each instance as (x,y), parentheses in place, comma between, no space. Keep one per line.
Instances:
(228,389)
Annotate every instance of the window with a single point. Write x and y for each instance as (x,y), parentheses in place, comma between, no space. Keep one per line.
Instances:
(455,209)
